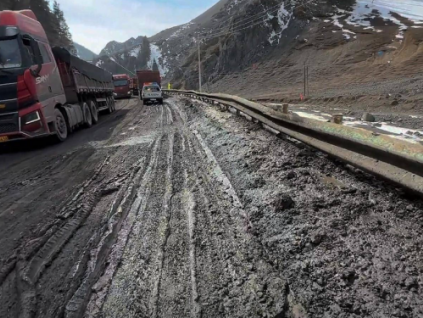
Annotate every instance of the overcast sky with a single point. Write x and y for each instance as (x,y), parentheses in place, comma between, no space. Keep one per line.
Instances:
(93,23)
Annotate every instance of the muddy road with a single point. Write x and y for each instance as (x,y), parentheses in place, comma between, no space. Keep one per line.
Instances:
(180,210)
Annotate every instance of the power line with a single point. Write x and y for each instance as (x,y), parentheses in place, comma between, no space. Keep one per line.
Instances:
(251,18)
(257,14)
(246,23)
(112,59)
(231,32)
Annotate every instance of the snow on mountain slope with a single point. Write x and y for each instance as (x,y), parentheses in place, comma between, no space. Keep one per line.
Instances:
(283,18)
(156,55)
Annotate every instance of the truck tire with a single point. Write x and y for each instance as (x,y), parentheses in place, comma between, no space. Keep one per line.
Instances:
(88,120)
(161,101)
(94,111)
(60,126)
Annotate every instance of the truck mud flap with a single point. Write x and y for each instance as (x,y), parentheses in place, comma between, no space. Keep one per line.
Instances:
(75,115)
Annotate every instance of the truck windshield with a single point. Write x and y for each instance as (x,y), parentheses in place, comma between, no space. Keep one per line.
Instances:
(10,56)
(120,83)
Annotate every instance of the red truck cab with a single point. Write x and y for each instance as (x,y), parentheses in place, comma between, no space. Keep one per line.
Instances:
(29,78)
(122,83)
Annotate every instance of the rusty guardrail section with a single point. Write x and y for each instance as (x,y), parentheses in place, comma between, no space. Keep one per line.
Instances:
(398,161)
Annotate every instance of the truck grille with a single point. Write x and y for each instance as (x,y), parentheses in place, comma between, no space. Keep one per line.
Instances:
(9,123)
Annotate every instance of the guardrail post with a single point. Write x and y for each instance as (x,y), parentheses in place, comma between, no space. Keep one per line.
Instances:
(338,119)
(285,108)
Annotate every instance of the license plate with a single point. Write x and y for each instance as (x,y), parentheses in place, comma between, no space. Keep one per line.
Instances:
(4,138)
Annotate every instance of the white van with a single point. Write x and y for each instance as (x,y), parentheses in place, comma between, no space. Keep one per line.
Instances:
(152,93)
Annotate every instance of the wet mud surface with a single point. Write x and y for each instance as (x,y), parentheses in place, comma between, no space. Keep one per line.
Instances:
(180,210)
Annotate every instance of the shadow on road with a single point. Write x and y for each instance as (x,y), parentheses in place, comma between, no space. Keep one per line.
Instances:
(99,132)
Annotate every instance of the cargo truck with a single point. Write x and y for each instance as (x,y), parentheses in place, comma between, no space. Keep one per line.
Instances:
(45,91)
(122,83)
(148,76)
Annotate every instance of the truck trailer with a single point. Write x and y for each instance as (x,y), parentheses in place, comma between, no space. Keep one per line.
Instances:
(148,76)
(45,91)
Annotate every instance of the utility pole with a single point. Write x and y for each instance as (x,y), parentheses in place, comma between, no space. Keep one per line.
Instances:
(199,65)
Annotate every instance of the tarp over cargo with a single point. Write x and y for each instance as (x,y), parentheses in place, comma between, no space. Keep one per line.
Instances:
(82,66)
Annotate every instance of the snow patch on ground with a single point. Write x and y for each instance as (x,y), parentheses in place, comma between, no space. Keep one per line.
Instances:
(410,135)
(366,10)
(233,5)
(135,51)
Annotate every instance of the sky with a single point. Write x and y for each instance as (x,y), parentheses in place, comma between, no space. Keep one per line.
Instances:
(93,23)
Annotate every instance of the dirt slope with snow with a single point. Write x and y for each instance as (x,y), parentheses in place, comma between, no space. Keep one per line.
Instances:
(363,54)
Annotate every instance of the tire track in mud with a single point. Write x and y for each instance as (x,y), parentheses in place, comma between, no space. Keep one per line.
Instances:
(29,266)
(113,241)
(240,282)
(189,205)
(126,297)
(19,277)
(163,228)
(101,286)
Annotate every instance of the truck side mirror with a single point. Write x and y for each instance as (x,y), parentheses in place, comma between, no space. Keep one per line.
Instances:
(38,58)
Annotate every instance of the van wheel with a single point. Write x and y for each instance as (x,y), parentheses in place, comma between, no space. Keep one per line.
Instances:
(94,112)
(60,126)
(88,120)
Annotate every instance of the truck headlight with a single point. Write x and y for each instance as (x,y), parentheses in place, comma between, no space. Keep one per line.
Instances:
(30,118)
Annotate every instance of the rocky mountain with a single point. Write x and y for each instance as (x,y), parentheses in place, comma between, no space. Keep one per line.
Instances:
(83,52)
(258,48)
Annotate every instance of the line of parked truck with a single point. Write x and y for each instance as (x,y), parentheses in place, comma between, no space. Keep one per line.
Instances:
(47,91)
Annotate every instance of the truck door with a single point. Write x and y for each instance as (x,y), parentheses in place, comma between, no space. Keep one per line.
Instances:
(48,84)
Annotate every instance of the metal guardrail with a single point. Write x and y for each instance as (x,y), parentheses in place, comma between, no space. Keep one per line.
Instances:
(395,160)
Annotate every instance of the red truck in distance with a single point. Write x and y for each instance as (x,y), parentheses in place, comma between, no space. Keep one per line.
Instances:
(122,84)
(45,91)
(148,76)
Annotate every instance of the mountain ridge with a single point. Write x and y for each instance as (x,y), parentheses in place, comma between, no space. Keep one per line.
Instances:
(83,52)
(248,42)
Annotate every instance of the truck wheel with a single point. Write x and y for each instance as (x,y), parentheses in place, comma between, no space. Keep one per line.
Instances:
(88,120)
(161,101)
(60,126)
(94,112)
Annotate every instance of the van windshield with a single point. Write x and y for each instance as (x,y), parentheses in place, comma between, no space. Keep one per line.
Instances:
(10,55)
(118,83)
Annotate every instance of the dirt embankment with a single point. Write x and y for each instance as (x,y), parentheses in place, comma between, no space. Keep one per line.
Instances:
(358,68)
